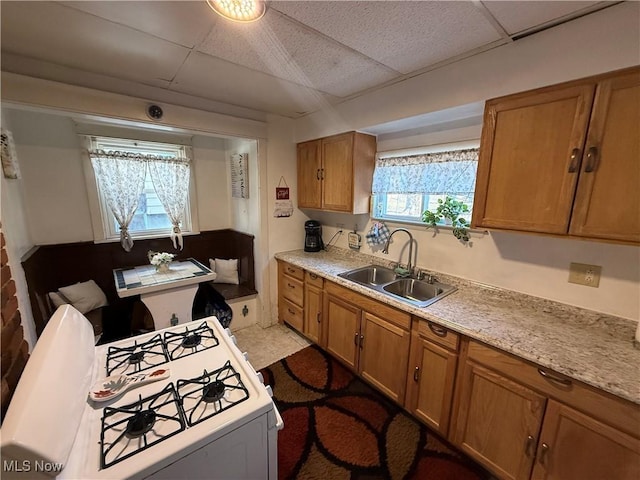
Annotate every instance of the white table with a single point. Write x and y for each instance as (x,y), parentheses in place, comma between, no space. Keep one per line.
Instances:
(164,294)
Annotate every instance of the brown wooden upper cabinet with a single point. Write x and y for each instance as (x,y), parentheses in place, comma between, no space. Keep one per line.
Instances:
(564,160)
(335,173)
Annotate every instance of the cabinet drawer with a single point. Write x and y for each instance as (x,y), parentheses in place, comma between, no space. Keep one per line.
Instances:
(293,271)
(313,279)
(390,314)
(291,314)
(292,290)
(438,334)
(615,411)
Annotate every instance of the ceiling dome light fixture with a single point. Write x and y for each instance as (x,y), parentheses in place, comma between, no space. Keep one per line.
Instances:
(243,11)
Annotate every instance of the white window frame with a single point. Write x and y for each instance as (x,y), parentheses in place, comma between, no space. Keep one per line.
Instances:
(377,202)
(102,219)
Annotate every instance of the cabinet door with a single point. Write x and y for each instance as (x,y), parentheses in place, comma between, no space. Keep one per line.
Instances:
(343,329)
(384,354)
(337,172)
(430,380)
(530,157)
(608,197)
(498,422)
(574,446)
(309,175)
(313,314)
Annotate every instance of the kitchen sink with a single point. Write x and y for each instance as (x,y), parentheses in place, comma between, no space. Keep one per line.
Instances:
(371,275)
(419,293)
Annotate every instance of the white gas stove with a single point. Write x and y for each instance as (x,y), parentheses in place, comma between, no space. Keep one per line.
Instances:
(212,417)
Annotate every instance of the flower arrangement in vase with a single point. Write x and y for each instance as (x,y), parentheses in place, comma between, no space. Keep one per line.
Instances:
(160,260)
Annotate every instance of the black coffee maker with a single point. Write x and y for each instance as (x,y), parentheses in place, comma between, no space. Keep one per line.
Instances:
(313,236)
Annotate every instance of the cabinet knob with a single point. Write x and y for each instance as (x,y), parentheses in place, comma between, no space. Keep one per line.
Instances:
(318,174)
(355,339)
(361,342)
(575,159)
(439,331)
(543,453)
(416,374)
(529,446)
(564,382)
(592,158)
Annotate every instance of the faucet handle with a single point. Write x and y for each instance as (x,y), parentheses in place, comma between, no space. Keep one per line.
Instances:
(418,273)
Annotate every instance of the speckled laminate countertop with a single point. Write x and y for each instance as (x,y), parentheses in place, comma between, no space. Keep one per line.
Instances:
(591,347)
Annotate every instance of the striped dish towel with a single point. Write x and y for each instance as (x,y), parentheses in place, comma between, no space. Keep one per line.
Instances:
(378,234)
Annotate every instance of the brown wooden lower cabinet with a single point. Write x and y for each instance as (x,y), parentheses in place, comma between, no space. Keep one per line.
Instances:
(498,422)
(574,446)
(313,317)
(377,349)
(431,375)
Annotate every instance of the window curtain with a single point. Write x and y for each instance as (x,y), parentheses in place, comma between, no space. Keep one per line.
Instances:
(170,179)
(121,177)
(451,172)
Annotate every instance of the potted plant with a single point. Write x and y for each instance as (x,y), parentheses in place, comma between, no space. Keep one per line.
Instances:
(448,213)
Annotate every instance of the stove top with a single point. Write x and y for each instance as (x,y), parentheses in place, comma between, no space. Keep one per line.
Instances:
(212,391)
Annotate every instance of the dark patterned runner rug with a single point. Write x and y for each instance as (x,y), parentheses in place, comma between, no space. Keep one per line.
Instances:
(337,427)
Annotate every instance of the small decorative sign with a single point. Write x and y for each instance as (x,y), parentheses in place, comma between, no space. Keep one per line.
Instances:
(239,175)
(284,206)
(8,155)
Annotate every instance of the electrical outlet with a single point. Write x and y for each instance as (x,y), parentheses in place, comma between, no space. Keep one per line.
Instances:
(584,274)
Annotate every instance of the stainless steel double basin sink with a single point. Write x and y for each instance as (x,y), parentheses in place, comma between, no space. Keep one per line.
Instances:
(418,293)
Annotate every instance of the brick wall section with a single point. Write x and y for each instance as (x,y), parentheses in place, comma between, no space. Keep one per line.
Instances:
(13,347)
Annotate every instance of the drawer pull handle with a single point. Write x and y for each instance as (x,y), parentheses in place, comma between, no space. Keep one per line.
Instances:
(355,339)
(439,331)
(313,276)
(542,454)
(416,374)
(291,270)
(291,311)
(361,342)
(290,286)
(318,316)
(529,446)
(592,157)
(575,158)
(318,174)
(562,381)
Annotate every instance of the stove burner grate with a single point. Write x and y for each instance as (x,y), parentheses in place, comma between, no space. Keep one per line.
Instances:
(190,341)
(137,357)
(140,423)
(133,428)
(211,393)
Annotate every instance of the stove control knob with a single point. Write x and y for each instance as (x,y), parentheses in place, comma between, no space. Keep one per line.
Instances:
(228,332)
(269,391)
(233,339)
(260,377)
(246,356)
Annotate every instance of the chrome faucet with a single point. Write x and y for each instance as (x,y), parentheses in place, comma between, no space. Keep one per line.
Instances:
(385,250)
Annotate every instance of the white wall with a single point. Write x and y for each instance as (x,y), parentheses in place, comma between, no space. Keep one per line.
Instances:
(55,191)
(18,240)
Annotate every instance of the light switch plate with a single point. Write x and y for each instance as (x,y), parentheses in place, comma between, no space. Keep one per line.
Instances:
(585,274)
(355,240)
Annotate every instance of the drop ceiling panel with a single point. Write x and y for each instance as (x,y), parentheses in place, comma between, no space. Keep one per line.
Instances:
(405,36)
(205,76)
(287,50)
(63,35)
(518,16)
(184,23)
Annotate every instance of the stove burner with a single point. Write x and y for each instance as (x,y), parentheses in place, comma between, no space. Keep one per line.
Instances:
(129,429)
(191,341)
(213,391)
(136,357)
(140,423)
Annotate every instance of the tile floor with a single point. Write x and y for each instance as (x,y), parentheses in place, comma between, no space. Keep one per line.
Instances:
(268,345)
